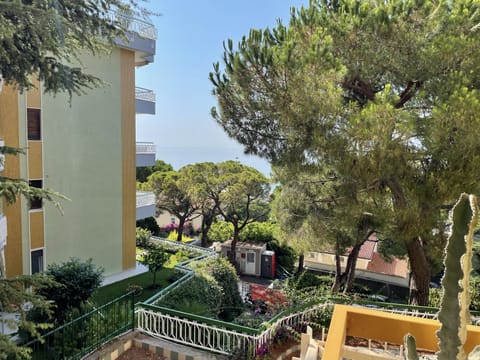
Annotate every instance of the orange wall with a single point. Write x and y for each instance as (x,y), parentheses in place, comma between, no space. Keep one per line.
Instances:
(35,168)
(36,230)
(10,133)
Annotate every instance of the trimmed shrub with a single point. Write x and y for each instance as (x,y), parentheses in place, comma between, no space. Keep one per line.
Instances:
(224,273)
(199,295)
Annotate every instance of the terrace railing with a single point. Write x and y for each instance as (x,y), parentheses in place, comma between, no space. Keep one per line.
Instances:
(132,24)
(78,338)
(182,266)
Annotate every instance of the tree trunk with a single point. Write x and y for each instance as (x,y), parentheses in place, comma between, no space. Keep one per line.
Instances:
(338,274)
(154,283)
(233,249)
(206,225)
(351,266)
(180,228)
(301,263)
(420,280)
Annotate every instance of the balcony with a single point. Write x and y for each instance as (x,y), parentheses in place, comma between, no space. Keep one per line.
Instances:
(141,36)
(145,154)
(2,156)
(144,101)
(3,232)
(145,205)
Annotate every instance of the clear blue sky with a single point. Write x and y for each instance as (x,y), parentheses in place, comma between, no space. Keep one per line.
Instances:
(190,40)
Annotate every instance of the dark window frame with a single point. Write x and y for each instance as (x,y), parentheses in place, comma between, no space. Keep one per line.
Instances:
(36,202)
(34,124)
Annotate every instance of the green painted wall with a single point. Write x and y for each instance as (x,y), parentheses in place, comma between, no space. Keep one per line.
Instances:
(82,160)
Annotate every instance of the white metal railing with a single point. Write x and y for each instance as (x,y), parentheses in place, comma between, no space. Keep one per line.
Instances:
(144,94)
(216,338)
(131,24)
(192,333)
(145,199)
(146,148)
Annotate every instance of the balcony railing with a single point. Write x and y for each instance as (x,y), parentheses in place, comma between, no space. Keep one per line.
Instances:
(144,94)
(131,24)
(146,148)
(2,156)
(145,199)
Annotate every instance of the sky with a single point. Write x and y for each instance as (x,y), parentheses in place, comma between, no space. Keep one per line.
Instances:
(190,39)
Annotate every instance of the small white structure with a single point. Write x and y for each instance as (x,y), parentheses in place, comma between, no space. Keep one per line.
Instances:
(248,256)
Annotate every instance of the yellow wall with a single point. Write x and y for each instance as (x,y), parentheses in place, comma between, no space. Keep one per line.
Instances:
(36,230)
(385,327)
(35,168)
(34,95)
(9,131)
(127,64)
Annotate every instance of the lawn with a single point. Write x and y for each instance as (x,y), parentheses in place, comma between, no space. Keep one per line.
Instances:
(109,292)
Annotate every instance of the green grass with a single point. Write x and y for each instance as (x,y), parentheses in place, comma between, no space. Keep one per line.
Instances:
(107,293)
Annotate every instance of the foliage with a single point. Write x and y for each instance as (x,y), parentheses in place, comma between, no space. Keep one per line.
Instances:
(173,235)
(437,294)
(154,259)
(149,224)
(143,172)
(67,30)
(221,231)
(142,238)
(172,196)
(435,297)
(284,254)
(17,292)
(224,273)
(198,295)
(336,93)
(179,256)
(260,232)
(78,280)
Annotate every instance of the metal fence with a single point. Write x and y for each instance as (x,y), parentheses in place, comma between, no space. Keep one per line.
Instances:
(87,333)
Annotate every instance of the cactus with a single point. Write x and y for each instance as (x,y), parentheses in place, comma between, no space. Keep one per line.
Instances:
(454,312)
(410,347)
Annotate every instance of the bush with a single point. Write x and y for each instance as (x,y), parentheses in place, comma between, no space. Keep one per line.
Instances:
(78,281)
(143,238)
(149,224)
(173,235)
(435,297)
(307,279)
(221,231)
(199,295)
(224,273)
(154,259)
(284,255)
(259,232)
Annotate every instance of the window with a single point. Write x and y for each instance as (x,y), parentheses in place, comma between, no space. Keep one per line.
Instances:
(250,257)
(173,220)
(37,261)
(36,202)
(33,124)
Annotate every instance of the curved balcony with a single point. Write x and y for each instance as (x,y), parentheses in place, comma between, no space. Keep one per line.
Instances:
(144,101)
(141,37)
(145,204)
(145,154)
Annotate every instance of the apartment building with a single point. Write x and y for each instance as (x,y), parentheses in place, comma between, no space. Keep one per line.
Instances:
(85,149)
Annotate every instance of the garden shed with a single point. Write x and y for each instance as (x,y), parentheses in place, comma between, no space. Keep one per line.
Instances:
(250,258)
